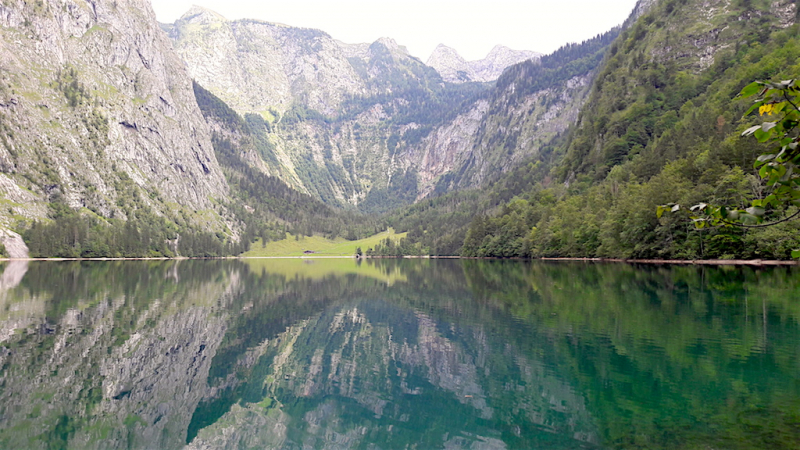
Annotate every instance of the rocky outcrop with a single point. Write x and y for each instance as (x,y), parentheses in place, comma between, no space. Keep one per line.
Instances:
(97,109)
(263,67)
(506,139)
(455,69)
(14,245)
(448,147)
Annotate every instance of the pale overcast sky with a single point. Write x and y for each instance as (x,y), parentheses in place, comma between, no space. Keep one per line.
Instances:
(471,27)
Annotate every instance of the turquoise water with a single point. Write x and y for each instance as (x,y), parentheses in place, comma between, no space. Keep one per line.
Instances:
(398,354)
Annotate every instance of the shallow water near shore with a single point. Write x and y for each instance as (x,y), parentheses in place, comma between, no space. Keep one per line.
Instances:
(340,353)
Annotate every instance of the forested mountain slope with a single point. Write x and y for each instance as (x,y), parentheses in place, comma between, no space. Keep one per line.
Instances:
(661,125)
(515,144)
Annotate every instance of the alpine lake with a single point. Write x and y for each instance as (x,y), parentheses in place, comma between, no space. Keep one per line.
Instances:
(395,354)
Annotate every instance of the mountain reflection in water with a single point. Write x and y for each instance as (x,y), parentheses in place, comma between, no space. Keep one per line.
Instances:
(397,354)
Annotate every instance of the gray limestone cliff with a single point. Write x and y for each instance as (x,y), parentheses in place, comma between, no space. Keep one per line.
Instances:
(97,110)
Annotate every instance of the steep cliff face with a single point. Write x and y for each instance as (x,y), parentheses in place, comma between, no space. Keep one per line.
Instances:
(262,67)
(98,110)
(455,69)
(337,118)
(267,68)
(367,124)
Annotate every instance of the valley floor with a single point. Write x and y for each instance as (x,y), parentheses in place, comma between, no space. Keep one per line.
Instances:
(318,246)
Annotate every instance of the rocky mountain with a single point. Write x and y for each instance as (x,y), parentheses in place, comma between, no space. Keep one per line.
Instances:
(97,111)
(99,116)
(455,69)
(363,125)
(325,106)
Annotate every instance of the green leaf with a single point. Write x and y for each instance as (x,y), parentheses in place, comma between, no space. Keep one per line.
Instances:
(761,135)
(754,107)
(751,89)
(795,254)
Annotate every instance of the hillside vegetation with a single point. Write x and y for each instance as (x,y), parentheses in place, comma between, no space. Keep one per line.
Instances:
(662,124)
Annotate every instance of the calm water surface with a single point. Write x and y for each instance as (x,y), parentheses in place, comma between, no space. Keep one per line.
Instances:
(397,354)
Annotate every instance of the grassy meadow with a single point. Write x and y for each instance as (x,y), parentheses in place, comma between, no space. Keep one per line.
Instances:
(321,246)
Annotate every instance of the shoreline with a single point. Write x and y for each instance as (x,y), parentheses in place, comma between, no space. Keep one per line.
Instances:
(698,262)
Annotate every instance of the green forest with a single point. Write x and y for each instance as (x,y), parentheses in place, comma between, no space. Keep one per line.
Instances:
(653,134)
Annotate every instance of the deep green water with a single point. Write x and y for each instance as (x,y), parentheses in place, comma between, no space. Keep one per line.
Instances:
(398,354)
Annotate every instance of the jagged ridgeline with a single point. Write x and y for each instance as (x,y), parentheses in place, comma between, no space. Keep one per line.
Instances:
(661,125)
(532,103)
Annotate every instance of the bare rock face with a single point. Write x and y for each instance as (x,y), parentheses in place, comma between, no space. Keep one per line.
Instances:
(14,245)
(455,69)
(257,66)
(96,108)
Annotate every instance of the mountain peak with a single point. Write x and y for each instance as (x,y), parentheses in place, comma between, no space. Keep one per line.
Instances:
(455,69)
(199,14)
(442,50)
(392,45)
